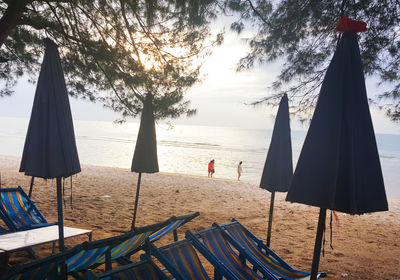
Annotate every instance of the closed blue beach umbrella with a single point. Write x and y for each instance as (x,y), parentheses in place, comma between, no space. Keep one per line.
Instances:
(278,168)
(339,167)
(50,148)
(145,155)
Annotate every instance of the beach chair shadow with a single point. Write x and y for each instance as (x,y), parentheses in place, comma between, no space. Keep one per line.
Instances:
(46,268)
(239,236)
(3,230)
(19,212)
(213,245)
(146,269)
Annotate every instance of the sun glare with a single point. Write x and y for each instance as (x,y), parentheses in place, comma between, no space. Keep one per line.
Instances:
(153,54)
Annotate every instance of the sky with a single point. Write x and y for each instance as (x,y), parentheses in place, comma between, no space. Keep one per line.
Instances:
(220,99)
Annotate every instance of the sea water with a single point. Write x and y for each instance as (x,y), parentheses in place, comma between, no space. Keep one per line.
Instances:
(187,149)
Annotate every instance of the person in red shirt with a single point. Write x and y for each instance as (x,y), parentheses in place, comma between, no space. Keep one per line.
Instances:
(211,170)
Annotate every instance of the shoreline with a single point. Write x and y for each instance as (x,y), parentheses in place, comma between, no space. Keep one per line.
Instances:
(365,247)
(254,184)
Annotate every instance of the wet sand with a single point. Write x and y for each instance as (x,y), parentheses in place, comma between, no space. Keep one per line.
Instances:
(365,247)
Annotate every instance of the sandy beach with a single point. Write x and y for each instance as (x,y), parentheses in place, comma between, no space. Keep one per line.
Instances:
(365,247)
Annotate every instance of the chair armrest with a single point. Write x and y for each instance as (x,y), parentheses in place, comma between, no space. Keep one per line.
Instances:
(37,226)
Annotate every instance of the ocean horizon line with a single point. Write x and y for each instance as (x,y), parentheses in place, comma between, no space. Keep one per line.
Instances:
(172,125)
(187,149)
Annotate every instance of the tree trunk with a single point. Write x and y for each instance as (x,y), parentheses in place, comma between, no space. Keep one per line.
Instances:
(10,18)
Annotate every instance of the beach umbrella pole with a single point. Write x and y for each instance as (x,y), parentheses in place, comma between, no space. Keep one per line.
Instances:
(318,243)
(271,213)
(60,215)
(31,186)
(136,200)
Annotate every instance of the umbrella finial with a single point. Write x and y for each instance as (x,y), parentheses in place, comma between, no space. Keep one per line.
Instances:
(346,24)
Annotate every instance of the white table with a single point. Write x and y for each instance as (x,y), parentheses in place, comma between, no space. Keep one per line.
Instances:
(15,241)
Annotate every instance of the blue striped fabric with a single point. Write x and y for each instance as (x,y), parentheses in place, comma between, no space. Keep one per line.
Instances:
(85,258)
(215,242)
(125,247)
(165,230)
(271,264)
(186,261)
(17,208)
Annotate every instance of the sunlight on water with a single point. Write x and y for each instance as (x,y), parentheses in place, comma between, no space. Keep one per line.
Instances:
(106,143)
(188,149)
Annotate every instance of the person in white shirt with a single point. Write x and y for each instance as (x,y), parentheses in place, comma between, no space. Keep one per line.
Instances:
(239,170)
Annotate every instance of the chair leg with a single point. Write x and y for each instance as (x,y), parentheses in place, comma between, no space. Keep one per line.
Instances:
(242,258)
(4,262)
(108,260)
(123,260)
(76,275)
(31,253)
(217,274)
(63,271)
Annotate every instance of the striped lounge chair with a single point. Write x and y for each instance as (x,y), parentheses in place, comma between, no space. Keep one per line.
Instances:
(106,250)
(181,256)
(144,270)
(176,222)
(212,244)
(19,212)
(172,226)
(133,244)
(262,253)
(80,258)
